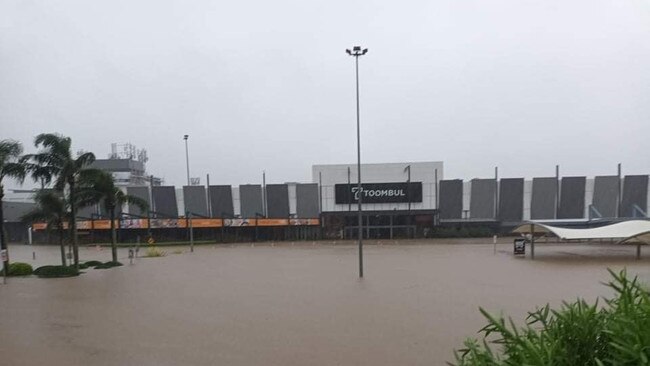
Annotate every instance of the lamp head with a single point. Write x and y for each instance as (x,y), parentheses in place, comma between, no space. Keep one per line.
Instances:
(185,137)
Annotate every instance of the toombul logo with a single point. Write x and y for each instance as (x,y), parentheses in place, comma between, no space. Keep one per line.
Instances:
(379,192)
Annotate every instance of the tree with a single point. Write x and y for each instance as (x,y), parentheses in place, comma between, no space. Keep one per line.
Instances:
(52,209)
(100,188)
(10,167)
(56,157)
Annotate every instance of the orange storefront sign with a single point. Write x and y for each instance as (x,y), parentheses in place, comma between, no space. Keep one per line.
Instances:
(39,226)
(197,223)
(272,222)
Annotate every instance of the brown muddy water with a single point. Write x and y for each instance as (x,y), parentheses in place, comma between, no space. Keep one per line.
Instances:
(286,304)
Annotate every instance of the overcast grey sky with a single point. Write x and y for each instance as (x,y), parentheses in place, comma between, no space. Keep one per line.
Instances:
(266,85)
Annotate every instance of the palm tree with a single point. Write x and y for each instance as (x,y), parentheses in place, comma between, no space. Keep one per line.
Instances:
(100,188)
(56,156)
(52,209)
(11,167)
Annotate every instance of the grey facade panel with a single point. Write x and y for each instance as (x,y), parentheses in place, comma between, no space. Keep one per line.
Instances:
(164,201)
(572,198)
(221,201)
(635,192)
(606,195)
(544,198)
(277,200)
(482,199)
(511,199)
(307,201)
(141,192)
(13,211)
(195,200)
(88,211)
(451,199)
(250,199)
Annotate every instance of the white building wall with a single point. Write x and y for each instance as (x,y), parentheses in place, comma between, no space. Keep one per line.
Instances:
(467,196)
(589,195)
(235,201)
(528,198)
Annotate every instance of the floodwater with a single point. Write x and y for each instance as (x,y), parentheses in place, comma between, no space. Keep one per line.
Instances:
(285,304)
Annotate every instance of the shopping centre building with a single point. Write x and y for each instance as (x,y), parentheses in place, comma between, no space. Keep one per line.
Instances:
(409,199)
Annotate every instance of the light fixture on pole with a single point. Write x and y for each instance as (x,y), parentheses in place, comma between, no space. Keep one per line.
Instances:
(187,158)
(356,52)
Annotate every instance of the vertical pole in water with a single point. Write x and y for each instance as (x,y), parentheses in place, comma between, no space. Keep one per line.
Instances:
(264,203)
(557,190)
(208,199)
(320,203)
(638,251)
(618,194)
(532,241)
(437,215)
(496,192)
(359,174)
(191,234)
(494,241)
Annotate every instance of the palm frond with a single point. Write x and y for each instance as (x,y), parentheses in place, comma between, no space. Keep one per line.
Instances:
(84,160)
(10,149)
(13,170)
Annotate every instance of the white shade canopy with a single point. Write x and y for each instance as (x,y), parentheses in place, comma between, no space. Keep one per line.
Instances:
(622,231)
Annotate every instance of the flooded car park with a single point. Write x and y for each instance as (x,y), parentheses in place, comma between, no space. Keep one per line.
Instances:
(289,303)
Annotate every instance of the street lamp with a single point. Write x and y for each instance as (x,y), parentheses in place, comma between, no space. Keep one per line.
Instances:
(187,159)
(356,52)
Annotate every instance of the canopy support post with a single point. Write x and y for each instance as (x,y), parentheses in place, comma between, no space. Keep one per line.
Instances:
(532,241)
(638,251)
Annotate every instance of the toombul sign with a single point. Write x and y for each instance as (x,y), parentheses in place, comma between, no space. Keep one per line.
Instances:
(379,192)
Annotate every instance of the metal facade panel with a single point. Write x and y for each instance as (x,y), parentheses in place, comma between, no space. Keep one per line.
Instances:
(195,200)
(482,200)
(250,199)
(221,201)
(164,201)
(544,198)
(140,192)
(87,211)
(635,193)
(14,211)
(606,195)
(451,199)
(572,198)
(511,199)
(277,200)
(307,200)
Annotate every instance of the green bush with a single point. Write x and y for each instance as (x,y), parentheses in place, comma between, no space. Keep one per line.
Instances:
(83,266)
(20,269)
(93,263)
(109,264)
(154,252)
(577,334)
(56,271)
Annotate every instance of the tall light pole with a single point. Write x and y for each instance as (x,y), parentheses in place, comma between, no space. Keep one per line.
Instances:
(356,52)
(187,159)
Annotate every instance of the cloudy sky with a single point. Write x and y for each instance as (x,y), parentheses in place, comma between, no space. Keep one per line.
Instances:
(266,85)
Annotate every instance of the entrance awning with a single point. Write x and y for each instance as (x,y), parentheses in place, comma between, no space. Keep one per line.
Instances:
(639,230)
